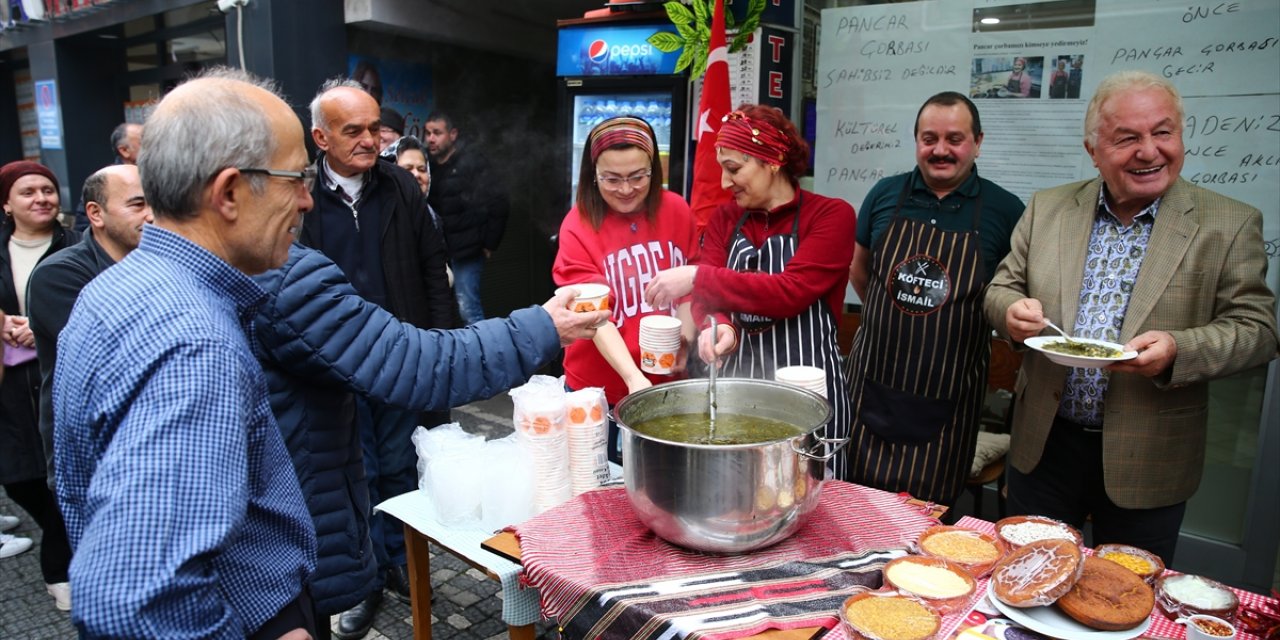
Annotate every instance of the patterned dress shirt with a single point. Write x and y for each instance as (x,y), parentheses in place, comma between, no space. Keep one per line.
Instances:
(1110,269)
(181,503)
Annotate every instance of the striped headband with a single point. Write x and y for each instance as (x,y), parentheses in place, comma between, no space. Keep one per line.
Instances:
(622,130)
(755,138)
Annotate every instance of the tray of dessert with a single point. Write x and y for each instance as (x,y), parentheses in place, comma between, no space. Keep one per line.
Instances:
(1035,573)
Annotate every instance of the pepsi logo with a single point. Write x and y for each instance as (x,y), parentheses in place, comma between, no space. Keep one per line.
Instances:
(598,51)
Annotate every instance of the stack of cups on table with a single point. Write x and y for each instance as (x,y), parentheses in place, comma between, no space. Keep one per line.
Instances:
(811,378)
(659,344)
(539,419)
(588,437)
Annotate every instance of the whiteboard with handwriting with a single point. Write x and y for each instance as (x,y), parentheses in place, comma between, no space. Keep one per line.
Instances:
(878,63)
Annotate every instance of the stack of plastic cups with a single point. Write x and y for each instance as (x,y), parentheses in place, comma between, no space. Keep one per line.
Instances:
(811,378)
(659,344)
(588,437)
(539,420)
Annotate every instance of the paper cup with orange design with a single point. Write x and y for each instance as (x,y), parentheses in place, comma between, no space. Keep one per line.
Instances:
(588,296)
(660,344)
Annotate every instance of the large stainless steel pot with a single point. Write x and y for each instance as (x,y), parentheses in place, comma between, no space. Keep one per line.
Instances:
(725,498)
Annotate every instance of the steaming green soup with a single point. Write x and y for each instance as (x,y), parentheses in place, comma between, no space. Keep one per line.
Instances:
(731,428)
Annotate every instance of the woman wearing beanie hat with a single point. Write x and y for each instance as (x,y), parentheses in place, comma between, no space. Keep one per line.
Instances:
(30,233)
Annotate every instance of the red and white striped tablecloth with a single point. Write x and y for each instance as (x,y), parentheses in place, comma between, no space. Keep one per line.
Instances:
(584,552)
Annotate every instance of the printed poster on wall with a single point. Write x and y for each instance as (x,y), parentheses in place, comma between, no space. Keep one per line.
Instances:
(403,86)
(1031,69)
(48,115)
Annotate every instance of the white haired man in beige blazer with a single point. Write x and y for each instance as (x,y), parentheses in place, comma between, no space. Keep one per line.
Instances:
(1141,257)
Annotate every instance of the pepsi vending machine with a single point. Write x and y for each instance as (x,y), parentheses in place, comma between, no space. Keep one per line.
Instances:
(607,68)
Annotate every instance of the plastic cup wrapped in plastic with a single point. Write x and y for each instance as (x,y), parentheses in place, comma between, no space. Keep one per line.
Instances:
(508,499)
(588,438)
(458,478)
(539,416)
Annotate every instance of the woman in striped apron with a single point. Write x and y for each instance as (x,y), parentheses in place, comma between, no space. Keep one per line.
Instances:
(773,265)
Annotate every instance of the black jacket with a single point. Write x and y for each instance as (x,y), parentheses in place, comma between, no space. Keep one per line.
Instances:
(471,203)
(413,254)
(22,457)
(57,282)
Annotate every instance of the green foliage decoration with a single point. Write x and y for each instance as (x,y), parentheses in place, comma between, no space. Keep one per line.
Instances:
(693,32)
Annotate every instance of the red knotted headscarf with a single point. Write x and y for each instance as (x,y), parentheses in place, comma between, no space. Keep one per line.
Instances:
(756,138)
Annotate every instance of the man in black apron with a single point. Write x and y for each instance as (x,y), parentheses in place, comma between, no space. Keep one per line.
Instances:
(928,243)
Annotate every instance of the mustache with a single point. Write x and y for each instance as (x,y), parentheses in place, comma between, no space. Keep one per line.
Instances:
(942,159)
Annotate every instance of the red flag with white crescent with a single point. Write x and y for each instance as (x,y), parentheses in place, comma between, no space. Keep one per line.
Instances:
(707,194)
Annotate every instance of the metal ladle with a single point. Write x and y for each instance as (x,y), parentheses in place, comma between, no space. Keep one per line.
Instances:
(711,382)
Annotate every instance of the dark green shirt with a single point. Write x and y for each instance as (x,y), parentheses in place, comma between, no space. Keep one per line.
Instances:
(1000,212)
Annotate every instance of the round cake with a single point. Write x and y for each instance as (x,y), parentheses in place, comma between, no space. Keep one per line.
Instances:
(1037,573)
(1108,597)
(886,616)
(977,552)
(1183,595)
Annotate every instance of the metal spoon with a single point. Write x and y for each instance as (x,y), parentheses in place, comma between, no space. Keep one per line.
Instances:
(711,383)
(1059,330)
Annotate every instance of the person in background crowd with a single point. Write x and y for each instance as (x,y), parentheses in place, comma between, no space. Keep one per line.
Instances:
(10,545)
(391,129)
(126,140)
(181,502)
(409,153)
(411,156)
(117,210)
(30,234)
(371,220)
(928,243)
(1019,83)
(774,263)
(1140,257)
(473,209)
(624,227)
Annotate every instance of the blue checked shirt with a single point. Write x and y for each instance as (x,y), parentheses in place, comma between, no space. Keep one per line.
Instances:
(181,503)
(1110,268)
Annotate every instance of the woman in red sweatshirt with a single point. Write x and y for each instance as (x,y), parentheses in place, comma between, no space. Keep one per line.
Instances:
(773,264)
(624,230)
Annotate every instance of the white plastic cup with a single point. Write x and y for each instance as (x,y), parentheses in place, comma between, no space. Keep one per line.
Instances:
(588,296)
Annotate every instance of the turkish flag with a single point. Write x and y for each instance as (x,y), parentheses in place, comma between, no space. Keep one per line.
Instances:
(707,194)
